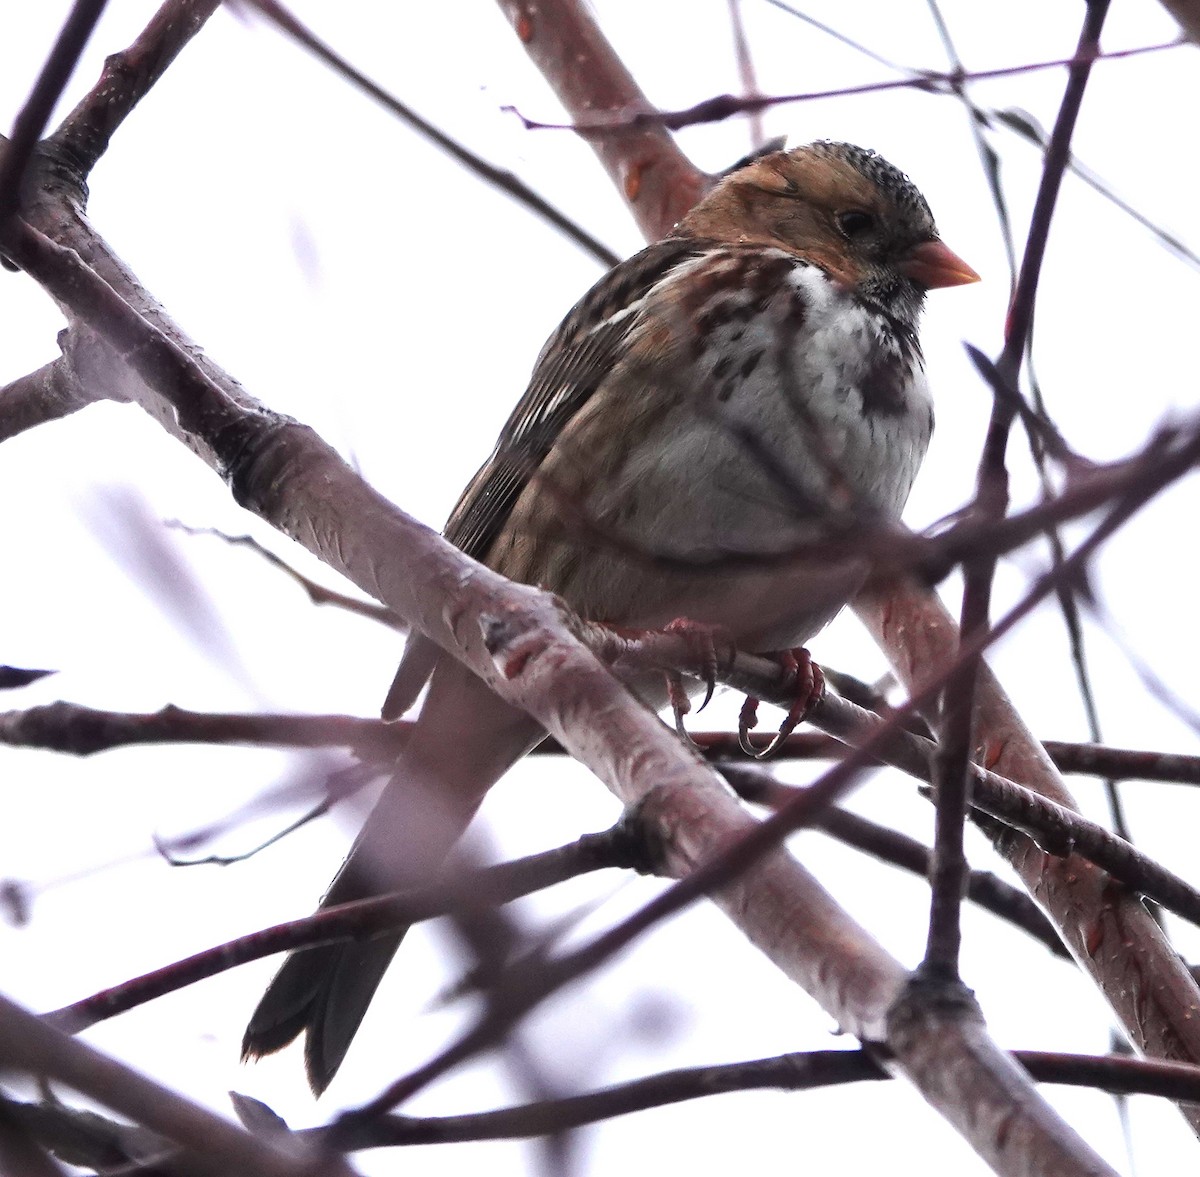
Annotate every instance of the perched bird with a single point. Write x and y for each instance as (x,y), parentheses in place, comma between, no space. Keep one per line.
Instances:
(740,388)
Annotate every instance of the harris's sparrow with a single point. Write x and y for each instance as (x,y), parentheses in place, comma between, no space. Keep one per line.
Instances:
(733,390)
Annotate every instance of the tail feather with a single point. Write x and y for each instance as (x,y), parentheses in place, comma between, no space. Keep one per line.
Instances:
(465,739)
(420,657)
(348,985)
(323,992)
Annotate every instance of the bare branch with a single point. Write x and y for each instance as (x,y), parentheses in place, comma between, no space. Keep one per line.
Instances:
(84,731)
(956,734)
(1148,987)
(499,178)
(755,784)
(633,117)
(15,677)
(48,394)
(318,594)
(620,848)
(1187,13)
(1124,763)
(746,73)
(28,1046)
(127,78)
(789,1072)
(641,159)
(31,121)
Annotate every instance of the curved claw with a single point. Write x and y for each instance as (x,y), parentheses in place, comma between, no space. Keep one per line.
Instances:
(680,705)
(747,720)
(702,637)
(813,679)
(786,728)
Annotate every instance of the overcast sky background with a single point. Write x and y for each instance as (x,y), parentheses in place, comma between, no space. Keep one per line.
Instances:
(349,275)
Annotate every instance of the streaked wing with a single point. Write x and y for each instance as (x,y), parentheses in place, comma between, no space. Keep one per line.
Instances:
(571,366)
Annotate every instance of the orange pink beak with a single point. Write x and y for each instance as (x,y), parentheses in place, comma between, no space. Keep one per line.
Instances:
(934,264)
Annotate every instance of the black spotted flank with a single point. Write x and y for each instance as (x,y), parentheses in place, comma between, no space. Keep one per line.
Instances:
(718,313)
(883,387)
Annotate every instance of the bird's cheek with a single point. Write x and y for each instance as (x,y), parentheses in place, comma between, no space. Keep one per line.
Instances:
(843,272)
(846,278)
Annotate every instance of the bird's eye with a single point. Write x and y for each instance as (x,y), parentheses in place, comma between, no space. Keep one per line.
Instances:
(855,223)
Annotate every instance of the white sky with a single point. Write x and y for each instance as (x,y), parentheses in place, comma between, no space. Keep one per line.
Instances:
(349,275)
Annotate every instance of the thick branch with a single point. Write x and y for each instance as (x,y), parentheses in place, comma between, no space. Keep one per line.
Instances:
(562,39)
(1107,929)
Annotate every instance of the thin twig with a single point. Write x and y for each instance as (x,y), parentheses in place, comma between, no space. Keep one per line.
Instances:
(126,79)
(33,116)
(499,178)
(84,731)
(658,182)
(616,848)
(746,73)
(802,1071)
(951,781)
(29,1047)
(755,784)
(724,106)
(318,594)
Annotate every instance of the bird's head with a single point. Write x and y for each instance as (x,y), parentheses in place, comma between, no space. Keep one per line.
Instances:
(843,208)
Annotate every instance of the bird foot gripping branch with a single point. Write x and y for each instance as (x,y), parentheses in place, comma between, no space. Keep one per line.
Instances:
(807,680)
(702,641)
(803,679)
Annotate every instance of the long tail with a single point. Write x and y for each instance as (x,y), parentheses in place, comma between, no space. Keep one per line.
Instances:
(464,741)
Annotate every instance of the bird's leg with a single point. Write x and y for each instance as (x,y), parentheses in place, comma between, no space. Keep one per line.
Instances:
(807,680)
(701,659)
(702,641)
(747,722)
(677,696)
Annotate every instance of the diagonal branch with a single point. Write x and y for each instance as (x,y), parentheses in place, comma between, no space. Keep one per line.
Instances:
(499,178)
(31,121)
(951,779)
(84,135)
(619,847)
(214,1145)
(648,169)
(53,391)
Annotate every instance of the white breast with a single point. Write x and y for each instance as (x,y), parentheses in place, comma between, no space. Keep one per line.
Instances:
(775,428)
